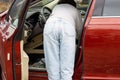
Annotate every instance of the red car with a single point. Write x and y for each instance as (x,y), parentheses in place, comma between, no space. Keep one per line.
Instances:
(21,42)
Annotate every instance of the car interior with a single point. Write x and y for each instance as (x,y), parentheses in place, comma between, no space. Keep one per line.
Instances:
(36,17)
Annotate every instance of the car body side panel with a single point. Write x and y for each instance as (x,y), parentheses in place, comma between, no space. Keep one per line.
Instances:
(2,63)
(38,75)
(78,70)
(8,59)
(5,51)
(102,49)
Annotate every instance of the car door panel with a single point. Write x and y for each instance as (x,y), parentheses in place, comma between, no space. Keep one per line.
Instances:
(101,55)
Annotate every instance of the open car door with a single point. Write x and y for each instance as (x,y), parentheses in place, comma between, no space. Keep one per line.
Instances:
(12,56)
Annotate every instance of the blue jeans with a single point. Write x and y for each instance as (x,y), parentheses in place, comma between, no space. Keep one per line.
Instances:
(59,49)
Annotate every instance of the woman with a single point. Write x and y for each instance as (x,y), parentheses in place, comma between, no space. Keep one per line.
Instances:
(60,33)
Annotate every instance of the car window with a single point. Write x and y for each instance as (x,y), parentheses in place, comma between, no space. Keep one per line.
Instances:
(15,11)
(111,8)
(39,3)
(44,2)
(107,8)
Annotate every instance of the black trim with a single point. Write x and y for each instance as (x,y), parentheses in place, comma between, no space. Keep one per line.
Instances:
(80,39)
(18,36)
(82,59)
(7,16)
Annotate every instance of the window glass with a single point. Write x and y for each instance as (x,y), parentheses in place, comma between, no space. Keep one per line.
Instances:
(36,6)
(107,8)
(15,11)
(111,8)
(39,3)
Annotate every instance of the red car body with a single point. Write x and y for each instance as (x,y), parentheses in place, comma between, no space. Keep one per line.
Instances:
(97,56)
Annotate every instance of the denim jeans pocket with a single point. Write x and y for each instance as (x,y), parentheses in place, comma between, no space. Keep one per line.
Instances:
(69,30)
(48,29)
